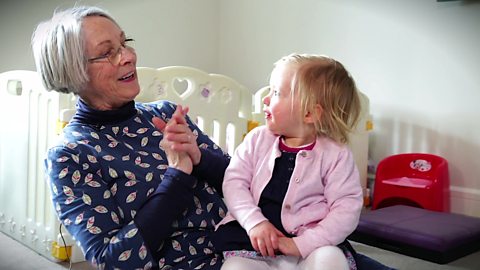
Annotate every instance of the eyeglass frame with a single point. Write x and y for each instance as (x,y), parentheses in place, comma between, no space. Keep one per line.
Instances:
(118,53)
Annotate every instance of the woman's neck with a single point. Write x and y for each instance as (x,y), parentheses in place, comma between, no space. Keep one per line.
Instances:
(89,115)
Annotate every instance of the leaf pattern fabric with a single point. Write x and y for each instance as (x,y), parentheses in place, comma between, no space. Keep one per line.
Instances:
(101,175)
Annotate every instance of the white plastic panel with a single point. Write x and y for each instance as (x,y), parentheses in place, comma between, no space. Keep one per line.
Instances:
(28,122)
(218,103)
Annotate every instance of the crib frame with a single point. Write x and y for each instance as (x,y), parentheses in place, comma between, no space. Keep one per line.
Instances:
(29,126)
(219,105)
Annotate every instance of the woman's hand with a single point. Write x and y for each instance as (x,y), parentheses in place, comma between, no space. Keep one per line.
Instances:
(288,247)
(264,238)
(182,136)
(178,141)
(177,160)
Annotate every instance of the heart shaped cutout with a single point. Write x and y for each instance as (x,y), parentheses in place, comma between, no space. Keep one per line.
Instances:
(181,86)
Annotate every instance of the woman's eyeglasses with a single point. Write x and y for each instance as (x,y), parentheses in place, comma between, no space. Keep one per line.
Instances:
(114,56)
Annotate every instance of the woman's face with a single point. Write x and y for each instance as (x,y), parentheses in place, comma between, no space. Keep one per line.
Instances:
(111,84)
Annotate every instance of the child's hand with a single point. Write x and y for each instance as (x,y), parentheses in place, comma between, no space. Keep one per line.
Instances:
(179,135)
(288,247)
(178,141)
(264,238)
(178,117)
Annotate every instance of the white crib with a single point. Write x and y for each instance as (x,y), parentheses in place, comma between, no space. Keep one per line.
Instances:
(29,116)
(32,117)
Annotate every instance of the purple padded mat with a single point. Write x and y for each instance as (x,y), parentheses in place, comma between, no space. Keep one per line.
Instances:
(433,230)
(443,236)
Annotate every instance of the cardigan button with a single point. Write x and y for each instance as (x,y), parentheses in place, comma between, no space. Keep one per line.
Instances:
(303,154)
(297,180)
(288,206)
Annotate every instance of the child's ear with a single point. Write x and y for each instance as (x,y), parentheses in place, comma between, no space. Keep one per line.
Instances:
(312,116)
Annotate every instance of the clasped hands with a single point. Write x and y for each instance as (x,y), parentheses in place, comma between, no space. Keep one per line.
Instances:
(268,240)
(179,142)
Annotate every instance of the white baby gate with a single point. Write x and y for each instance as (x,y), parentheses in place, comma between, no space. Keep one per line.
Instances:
(31,118)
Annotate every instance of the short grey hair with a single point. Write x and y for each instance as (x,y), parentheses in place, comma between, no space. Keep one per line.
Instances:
(59,49)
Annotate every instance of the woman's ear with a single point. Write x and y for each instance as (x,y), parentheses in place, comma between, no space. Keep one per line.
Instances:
(311,116)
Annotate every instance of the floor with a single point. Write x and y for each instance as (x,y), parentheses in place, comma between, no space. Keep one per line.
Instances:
(15,256)
(402,262)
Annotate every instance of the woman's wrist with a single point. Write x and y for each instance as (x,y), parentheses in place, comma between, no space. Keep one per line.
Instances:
(196,157)
(181,162)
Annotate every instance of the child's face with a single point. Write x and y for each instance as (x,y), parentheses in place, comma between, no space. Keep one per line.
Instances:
(282,112)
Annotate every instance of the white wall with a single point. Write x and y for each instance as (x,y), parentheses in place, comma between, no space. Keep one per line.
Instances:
(166,32)
(418,61)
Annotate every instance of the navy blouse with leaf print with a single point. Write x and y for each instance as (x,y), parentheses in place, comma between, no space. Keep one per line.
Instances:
(114,192)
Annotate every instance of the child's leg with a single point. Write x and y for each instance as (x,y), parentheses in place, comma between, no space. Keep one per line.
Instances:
(241,263)
(284,263)
(269,263)
(325,258)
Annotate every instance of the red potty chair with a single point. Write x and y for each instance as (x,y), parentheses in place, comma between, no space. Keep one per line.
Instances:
(413,179)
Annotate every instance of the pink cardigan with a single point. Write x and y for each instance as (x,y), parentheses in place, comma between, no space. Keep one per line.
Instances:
(324,198)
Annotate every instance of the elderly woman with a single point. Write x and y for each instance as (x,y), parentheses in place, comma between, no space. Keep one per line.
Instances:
(132,196)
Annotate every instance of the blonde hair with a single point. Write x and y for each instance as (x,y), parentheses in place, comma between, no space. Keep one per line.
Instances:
(321,80)
(59,49)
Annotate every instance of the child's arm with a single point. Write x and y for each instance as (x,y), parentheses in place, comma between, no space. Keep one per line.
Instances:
(237,183)
(343,194)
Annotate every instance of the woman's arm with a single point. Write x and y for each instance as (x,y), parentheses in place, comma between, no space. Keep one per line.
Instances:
(166,205)
(87,207)
(212,168)
(87,204)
